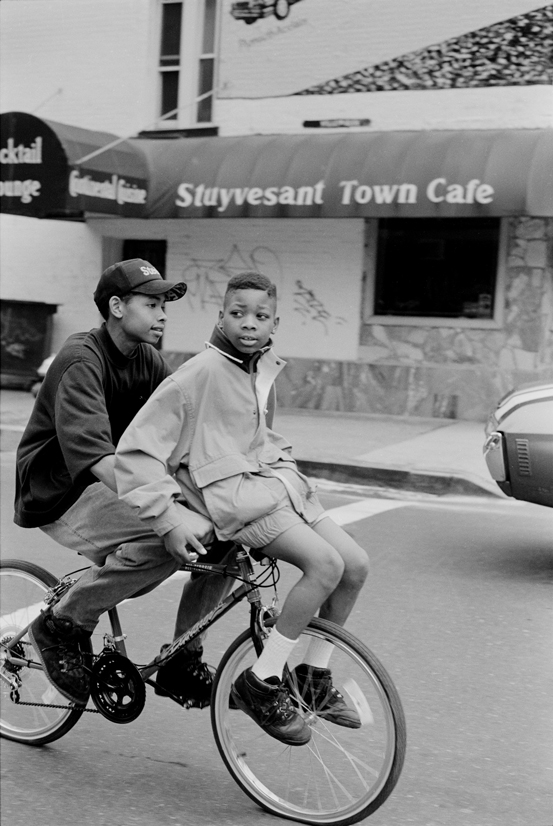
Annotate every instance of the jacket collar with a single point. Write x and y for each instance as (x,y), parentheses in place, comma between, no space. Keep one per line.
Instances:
(246,361)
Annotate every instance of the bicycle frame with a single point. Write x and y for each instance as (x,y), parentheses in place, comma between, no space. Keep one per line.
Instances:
(242,570)
(248,589)
(344,772)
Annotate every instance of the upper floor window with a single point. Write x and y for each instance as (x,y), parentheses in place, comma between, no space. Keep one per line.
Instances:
(187,61)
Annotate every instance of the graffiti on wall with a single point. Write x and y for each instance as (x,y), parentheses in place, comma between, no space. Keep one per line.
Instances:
(207,278)
(312,308)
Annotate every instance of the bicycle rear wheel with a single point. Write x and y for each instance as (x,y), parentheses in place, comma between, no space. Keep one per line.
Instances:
(342,775)
(22,589)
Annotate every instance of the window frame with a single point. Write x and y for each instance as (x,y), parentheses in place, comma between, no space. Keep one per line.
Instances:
(193,18)
(369,289)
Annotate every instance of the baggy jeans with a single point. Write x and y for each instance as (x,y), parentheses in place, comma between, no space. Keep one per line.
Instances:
(129,560)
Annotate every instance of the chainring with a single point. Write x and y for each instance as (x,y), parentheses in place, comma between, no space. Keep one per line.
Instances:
(116,688)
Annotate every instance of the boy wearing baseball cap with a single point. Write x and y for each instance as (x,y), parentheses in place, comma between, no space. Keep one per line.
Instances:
(65,483)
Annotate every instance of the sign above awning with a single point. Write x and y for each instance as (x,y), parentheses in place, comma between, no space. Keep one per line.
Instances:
(43,174)
(379,175)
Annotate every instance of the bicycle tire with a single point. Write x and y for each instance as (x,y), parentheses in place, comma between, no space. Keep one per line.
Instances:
(23,586)
(343,775)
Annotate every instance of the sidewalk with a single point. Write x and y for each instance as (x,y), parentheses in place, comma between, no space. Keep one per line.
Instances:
(436,456)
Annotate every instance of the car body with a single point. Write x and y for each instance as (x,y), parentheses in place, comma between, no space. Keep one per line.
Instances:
(519,444)
(251,10)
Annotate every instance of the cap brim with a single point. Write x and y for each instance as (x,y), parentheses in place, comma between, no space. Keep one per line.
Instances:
(172,290)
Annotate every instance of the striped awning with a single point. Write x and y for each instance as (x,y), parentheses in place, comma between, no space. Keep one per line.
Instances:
(382,174)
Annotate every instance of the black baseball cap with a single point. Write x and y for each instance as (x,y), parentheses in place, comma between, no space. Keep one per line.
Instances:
(135,275)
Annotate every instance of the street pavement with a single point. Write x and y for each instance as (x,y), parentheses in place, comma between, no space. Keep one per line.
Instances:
(457,607)
(434,456)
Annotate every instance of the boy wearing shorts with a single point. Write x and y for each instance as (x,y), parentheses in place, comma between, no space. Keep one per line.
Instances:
(206,434)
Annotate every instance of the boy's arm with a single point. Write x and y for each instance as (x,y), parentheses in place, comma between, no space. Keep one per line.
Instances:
(82,422)
(104,471)
(148,454)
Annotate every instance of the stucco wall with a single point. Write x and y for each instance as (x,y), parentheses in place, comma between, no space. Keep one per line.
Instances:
(58,262)
(316,264)
(506,107)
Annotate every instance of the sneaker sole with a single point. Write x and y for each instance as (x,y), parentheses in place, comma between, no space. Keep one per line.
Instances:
(345,722)
(61,690)
(240,704)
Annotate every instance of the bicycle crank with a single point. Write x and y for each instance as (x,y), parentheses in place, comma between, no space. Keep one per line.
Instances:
(116,688)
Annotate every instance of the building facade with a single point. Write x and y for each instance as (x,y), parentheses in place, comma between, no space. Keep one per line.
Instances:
(386,163)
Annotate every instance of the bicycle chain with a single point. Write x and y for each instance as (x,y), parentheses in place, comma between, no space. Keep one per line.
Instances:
(67,708)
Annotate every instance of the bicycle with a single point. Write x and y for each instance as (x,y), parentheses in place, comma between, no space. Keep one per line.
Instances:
(340,777)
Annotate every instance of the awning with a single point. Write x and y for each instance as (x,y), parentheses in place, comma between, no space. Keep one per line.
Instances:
(383,174)
(43,174)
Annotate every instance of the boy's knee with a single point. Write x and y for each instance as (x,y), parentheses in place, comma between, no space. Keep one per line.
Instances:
(357,569)
(330,570)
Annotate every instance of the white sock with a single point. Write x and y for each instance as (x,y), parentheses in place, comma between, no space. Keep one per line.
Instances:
(274,655)
(318,653)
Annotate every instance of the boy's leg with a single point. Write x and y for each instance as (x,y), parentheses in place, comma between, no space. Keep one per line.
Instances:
(128,560)
(312,679)
(322,568)
(199,595)
(259,690)
(337,607)
(334,569)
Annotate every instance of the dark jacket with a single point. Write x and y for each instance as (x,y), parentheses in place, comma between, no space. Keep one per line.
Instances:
(90,394)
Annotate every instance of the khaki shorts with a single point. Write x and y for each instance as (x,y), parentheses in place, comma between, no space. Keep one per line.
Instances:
(259,533)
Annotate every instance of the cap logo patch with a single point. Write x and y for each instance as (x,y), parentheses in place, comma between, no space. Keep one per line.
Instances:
(149,270)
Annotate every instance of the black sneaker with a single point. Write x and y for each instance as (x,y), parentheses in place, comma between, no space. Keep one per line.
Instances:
(62,648)
(269,704)
(312,688)
(186,680)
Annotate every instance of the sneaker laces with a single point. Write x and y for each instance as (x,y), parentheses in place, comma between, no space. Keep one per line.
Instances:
(70,658)
(281,707)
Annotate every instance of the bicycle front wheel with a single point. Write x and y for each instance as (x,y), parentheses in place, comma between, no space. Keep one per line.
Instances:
(39,714)
(343,774)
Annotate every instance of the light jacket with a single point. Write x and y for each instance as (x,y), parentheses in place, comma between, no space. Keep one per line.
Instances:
(198,439)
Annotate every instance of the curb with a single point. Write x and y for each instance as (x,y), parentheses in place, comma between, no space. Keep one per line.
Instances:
(438,484)
(374,476)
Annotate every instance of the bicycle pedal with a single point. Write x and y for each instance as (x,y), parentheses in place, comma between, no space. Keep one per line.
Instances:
(194,703)
(191,702)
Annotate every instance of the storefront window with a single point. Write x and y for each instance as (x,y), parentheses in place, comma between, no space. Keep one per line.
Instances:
(436,267)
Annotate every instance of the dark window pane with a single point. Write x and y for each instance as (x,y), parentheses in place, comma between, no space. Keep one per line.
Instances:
(170,33)
(205,85)
(209,27)
(169,93)
(154,251)
(437,267)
